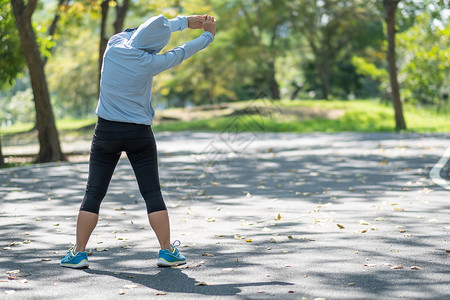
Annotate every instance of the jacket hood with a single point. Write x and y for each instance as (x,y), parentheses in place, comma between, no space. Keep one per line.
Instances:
(153,35)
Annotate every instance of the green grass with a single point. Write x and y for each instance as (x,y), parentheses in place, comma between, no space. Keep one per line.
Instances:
(358,115)
(15,164)
(64,125)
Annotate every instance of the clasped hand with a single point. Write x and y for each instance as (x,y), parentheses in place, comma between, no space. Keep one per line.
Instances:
(205,22)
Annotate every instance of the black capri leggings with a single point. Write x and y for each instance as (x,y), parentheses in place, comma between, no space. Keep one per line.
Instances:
(110,139)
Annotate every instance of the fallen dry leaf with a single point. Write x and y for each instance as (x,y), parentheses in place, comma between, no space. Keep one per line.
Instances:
(160,293)
(398,209)
(340,226)
(397,267)
(181,267)
(448,250)
(370,265)
(130,286)
(200,263)
(383,162)
(207,254)
(278,217)
(101,249)
(201,283)
(211,219)
(227,269)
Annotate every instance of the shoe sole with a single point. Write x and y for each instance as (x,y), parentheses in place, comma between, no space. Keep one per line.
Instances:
(81,265)
(164,263)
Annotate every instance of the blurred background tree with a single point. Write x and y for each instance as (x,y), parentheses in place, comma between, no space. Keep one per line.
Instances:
(12,62)
(298,49)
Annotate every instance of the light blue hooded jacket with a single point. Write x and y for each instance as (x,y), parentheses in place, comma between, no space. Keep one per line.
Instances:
(131,60)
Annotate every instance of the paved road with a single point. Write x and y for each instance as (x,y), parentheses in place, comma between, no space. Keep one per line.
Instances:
(285,216)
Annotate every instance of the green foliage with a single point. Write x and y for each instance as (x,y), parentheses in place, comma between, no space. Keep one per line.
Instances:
(425,71)
(333,30)
(18,108)
(289,42)
(72,75)
(358,115)
(12,62)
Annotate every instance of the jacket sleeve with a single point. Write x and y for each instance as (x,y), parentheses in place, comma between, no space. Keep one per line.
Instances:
(174,57)
(178,24)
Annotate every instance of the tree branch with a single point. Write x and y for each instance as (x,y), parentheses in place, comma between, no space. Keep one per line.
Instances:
(249,22)
(52,28)
(121,11)
(31,6)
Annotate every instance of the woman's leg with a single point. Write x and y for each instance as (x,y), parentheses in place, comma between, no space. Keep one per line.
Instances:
(86,223)
(103,160)
(143,158)
(159,220)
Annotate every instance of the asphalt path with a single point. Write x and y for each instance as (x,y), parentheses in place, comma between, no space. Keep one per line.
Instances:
(259,216)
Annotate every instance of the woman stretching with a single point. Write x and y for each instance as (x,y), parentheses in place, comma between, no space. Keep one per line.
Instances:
(125,116)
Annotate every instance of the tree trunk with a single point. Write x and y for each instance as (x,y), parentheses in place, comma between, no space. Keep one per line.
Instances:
(121,12)
(390,6)
(2,161)
(273,84)
(50,149)
(103,40)
(323,66)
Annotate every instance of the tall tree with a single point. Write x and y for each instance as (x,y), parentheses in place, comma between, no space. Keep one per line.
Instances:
(329,28)
(121,11)
(255,31)
(50,149)
(390,7)
(12,62)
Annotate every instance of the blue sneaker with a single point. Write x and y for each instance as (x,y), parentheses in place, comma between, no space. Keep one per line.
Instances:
(167,258)
(73,260)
